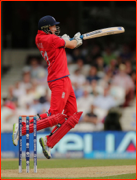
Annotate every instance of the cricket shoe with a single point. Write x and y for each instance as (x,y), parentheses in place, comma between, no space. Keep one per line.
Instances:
(15,134)
(45,148)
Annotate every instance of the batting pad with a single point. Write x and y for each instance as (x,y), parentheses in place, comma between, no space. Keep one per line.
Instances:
(65,127)
(47,122)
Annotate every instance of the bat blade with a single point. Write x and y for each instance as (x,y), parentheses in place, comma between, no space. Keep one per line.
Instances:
(103,32)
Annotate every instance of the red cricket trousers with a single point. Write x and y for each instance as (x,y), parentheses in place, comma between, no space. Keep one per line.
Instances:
(62,97)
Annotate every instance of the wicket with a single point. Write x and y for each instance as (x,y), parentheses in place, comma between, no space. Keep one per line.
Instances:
(27,143)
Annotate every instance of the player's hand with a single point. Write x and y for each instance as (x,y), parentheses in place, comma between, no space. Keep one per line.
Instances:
(66,37)
(78,39)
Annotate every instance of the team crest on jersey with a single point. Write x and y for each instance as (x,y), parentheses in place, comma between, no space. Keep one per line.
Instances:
(63,95)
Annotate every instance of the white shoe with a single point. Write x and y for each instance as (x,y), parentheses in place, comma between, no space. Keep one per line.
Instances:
(15,135)
(45,148)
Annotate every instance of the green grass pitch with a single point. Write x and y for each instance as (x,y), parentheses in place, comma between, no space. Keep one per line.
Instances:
(70,163)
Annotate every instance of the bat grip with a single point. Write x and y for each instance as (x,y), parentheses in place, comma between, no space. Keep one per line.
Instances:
(73,38)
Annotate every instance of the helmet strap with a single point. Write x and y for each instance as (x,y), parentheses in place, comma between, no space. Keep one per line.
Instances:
(47,30)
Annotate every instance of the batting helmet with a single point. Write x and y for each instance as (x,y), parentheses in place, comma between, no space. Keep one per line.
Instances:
(47,21)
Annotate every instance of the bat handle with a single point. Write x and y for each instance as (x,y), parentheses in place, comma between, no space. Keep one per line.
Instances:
(73,38)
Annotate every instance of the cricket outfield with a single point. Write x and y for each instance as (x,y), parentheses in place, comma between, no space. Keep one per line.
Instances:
(71,168)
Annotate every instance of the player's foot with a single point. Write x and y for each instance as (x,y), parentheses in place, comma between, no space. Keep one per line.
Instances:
(45,148)
(15,134)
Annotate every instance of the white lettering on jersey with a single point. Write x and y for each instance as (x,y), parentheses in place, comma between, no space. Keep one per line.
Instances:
(39,45)
(45,56)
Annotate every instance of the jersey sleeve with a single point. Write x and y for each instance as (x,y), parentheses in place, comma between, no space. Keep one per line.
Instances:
(58,42)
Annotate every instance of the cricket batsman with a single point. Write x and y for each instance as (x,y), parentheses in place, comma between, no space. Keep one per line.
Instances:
(63,108)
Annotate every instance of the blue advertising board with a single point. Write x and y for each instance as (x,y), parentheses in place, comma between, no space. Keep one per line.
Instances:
(100,145)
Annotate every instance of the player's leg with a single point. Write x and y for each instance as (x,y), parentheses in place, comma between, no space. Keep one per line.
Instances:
(60,99)
(70,107)
(45,123)
(59,95)
(49,142)
(68,92)
(74,116)
(41,124)
(15,136)
(63,129)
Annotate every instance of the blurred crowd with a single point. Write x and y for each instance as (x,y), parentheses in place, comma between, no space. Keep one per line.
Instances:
(103,78)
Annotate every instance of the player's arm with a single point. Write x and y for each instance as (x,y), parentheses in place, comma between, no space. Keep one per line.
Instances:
(70,44)
(74,43)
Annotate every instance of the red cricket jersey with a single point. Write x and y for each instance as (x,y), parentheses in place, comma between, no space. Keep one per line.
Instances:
(53,51)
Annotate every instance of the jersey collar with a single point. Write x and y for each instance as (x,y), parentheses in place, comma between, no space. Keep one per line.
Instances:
(42,32)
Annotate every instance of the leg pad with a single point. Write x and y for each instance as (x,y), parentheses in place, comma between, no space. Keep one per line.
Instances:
(65,127)
(44,123)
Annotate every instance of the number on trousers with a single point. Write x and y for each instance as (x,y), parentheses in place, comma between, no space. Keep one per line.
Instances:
(45,56)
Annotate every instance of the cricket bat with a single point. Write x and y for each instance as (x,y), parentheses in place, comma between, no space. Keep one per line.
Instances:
(102,32)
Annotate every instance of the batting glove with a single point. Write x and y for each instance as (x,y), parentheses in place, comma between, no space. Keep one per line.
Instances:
(66,37)
(78,39)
